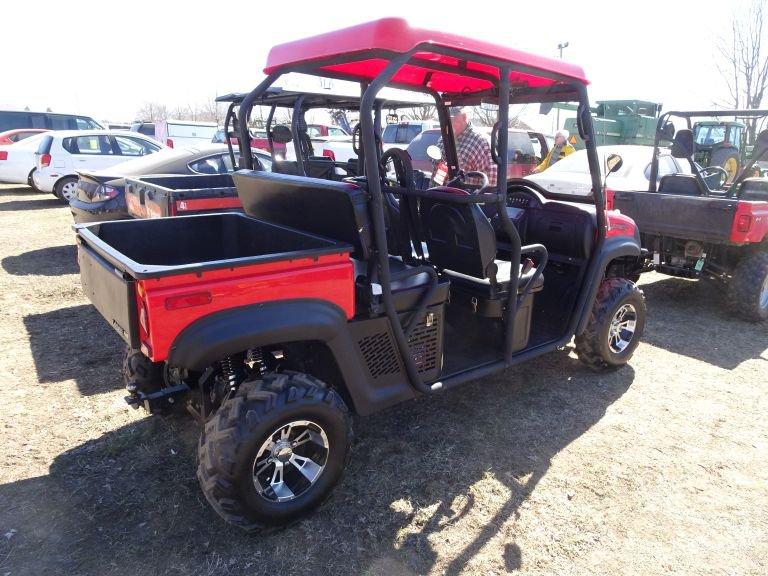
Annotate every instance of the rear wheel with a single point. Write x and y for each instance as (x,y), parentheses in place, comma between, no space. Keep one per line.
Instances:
(65,189)
(615,325)
(274,451)
(31,182)
(728,159)
(748,290)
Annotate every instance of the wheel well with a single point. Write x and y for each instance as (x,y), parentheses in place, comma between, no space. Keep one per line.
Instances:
(623,267)
(62,178)
(316,358)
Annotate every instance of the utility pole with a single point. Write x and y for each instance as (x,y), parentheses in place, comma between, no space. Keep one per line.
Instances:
(560,47)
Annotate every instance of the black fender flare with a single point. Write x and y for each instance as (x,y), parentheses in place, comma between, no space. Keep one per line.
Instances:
(613,248)
(220,334)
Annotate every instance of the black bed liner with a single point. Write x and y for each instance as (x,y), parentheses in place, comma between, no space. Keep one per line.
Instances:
(188,244)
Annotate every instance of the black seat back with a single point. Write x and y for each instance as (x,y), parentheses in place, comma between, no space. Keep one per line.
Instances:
(459,237)
(681,184)
(336,210)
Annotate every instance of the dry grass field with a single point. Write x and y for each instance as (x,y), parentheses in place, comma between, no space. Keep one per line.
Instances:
(546,469)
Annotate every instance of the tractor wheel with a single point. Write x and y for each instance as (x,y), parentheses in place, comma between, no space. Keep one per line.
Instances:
(615,325)
(274,451)
(748,290)
(728,159)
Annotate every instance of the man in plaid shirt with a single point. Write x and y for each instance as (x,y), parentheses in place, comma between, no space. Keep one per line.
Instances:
(473,151)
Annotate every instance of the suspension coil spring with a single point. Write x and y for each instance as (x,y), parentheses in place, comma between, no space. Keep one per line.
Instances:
(228,371)
(255,359)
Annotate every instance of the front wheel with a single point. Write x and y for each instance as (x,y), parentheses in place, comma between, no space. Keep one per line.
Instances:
(615,325)
(748,289)
(274,451)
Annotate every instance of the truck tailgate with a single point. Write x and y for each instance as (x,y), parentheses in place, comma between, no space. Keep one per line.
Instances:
(111,292)
(687,217)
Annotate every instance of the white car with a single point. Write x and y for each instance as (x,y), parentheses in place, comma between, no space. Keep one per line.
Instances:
(60,155)
(18,161)
(571,174)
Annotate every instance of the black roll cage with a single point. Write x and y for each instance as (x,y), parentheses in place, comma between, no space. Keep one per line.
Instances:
(661,136)
(565,89)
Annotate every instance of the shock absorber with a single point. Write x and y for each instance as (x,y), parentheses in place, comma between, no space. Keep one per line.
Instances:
(255,360)
(229,373)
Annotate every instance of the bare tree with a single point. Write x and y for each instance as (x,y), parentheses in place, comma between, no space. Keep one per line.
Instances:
(744,62)
(424,112)
(488,117)
(151,112)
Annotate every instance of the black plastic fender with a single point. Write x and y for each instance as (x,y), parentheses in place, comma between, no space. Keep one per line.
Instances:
(218,335)
(613,248)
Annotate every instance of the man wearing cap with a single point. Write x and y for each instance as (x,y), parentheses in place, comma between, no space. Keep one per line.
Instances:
(560,150)
(473,151)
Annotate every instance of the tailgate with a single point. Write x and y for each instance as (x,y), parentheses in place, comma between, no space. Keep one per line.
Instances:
(686,217)
(161,196)
(110,291)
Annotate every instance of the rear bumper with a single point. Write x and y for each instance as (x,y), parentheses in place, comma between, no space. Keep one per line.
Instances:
(87,212)
(43,182)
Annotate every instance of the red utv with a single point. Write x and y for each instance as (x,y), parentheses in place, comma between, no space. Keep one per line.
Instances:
(335,296)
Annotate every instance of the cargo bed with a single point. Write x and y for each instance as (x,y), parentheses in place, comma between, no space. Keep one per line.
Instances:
(705,219)
(178,195)
(152,278)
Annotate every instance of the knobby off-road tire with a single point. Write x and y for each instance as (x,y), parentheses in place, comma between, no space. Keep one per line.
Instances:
(615,326)
(138,368)
(748,289)
(231,450)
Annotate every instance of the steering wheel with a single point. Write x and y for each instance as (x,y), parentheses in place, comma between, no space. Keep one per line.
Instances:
(712,170)
(462,176)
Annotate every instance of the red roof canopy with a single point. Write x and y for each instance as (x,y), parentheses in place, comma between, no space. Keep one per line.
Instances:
(361,52)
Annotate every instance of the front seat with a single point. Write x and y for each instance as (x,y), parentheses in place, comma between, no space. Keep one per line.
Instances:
(462,244)
(684,184)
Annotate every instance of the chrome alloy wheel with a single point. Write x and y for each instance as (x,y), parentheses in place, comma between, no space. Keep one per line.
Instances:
(622,328)
(290,461)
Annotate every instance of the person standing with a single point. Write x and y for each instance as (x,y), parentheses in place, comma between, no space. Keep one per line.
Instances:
(560,150)
(472,149)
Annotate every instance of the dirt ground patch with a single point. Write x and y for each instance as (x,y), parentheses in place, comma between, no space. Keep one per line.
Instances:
(545,469)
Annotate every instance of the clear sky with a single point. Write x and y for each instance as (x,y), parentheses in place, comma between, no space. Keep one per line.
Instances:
(104,58)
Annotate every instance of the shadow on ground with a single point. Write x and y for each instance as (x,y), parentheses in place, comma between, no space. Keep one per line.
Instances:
(30,204)
(128,502)
(712,334)
(54,261)
(75,343)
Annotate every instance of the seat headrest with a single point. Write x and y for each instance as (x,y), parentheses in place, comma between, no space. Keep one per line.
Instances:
(682,144)
(281,134)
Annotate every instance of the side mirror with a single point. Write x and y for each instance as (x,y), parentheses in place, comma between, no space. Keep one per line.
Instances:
(434,152)
(667,132)
(613,163)
(545,108)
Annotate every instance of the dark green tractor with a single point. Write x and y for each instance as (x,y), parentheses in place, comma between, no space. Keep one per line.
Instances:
(720,144)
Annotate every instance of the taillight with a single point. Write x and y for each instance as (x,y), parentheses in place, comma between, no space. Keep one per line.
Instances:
(743,222)
(619,225)
(3,155)
(105,192)
(188,300)
(609,199)
(169,142)
(329,154)
(44,161)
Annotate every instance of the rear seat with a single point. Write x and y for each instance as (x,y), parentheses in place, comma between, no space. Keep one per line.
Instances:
(336,210)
